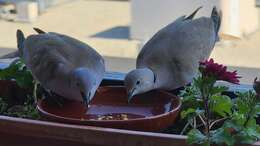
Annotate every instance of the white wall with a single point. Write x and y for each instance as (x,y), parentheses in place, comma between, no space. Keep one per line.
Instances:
(148,16)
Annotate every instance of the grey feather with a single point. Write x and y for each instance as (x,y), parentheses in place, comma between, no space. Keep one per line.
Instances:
(173,53)
(216,17)
(53,57)
(20,40)
(39,30)
(193,14)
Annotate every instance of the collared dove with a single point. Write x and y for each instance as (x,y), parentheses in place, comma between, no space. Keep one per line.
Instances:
(64,65)
(170,59)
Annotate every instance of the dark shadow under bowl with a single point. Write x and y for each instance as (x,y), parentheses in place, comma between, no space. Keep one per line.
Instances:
(152,111)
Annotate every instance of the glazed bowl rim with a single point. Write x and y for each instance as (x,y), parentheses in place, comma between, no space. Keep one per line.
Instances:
(173,110)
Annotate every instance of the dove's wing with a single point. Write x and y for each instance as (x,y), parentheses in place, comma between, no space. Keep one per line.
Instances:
(176,50)
(54,49)
(156,41)
(82,54)
(162,35)
(52,57)
(180,41)
(43,57)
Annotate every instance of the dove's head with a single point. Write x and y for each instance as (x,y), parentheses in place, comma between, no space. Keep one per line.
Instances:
(139,81)
(85,81)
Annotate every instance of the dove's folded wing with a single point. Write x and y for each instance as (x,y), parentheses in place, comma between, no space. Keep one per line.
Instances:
(43,57)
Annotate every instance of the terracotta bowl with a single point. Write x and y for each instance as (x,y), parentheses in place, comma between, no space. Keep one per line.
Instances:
(152,111)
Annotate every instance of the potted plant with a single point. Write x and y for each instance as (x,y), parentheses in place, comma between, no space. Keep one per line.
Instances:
(212,117)
(208,115)
(16,92)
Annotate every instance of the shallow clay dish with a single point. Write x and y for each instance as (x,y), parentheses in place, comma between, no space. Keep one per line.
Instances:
(152,111)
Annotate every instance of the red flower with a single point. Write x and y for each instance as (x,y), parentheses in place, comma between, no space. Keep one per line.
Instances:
(209,68)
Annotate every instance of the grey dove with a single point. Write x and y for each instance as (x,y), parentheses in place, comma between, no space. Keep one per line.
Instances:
(170,59)
(62,64)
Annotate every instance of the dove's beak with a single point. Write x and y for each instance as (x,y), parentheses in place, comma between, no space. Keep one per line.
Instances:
(130,95)
(85,97)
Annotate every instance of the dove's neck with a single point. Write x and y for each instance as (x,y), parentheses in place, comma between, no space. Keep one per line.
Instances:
(158,84)
(164,79)
(153,77)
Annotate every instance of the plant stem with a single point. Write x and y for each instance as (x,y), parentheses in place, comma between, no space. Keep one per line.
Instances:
(194,122)
(206,106)
(205,93)
(202,120)
(248,117)
(205,98)
(185,128)
(35,92)
(214,122)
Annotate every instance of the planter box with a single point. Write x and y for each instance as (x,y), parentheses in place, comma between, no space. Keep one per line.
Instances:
(24,132)
(15,131)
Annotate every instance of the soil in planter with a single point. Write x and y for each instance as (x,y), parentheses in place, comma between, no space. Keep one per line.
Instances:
(16,101)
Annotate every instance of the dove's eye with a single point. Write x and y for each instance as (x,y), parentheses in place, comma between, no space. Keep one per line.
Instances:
(138,82)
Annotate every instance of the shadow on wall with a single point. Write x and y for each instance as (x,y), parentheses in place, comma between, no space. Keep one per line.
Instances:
(118,32)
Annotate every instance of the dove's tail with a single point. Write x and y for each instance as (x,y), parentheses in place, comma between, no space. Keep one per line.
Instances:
(216,17)
(38,30)
(20,42)
(193,14)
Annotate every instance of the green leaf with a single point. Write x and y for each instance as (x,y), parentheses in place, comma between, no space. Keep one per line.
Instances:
(222,136)
(252,132)
(221,104)
(27,110)
(17,71)
(251,123)
(246,102)
(189,93)
(196,137)
(247,136)
(191,113)
(257,109)
(232,125)
(206,144)
(188,113)
(243,108)
(218,90)
(190,98)
(24,79)
(239,119)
